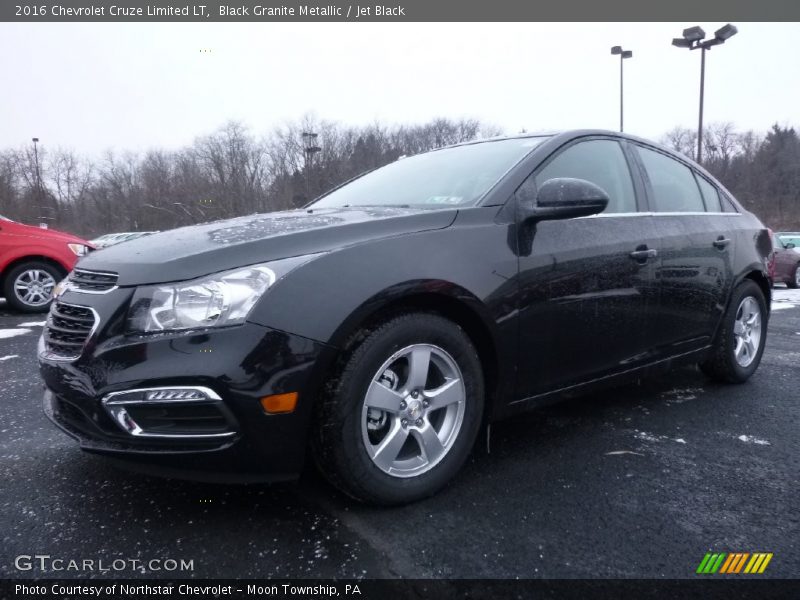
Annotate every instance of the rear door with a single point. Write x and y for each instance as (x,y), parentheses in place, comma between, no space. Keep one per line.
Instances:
(695,269)
(587,285)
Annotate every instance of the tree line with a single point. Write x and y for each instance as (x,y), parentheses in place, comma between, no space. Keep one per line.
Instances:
(232,172)
(761,170)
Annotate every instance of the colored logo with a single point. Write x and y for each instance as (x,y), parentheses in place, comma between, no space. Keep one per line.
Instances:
(735,562)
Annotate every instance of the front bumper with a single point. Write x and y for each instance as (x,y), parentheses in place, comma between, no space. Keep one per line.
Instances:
(240,364)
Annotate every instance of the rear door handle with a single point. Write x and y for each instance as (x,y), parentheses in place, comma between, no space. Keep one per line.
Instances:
(721,242)
(644,253)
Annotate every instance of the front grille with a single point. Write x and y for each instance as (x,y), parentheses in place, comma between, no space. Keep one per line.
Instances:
(92,281)
(68,327)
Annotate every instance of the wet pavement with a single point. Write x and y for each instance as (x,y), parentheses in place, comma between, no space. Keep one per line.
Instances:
(637,481)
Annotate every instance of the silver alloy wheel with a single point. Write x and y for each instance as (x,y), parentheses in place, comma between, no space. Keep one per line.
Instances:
(747,331)
(413,410)
(797,275)
(34,287)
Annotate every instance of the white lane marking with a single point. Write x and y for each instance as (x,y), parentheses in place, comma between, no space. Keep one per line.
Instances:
(2,358)
(749,439)
(9,333)
(617,452)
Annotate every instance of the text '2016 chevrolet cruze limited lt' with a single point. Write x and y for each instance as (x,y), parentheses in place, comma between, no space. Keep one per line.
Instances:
(380,326)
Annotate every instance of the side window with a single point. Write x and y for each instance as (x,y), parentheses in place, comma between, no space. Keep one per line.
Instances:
(601,162)
(727,205)
(710,194)
(673,184)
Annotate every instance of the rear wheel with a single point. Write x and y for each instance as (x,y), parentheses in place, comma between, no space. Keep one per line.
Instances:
(29,286)
(740,342)
(402,416)
(794,280)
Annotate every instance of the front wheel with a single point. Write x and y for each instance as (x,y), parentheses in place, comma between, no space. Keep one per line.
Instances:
(739,345)
(401,418)
(29,286)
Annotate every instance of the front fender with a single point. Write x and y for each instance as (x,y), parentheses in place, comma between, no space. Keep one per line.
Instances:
(35,251)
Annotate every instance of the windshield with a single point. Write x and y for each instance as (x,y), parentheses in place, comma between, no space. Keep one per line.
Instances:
(456,176)
(2,218)
(790,239)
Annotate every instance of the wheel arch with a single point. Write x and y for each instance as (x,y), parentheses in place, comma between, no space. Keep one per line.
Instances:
(762,281)
(448,301)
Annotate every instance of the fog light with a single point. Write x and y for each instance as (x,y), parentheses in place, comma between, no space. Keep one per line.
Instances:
(279,403)
(171,412)
(175,394)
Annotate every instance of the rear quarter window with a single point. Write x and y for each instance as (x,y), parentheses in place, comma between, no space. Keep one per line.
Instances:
(710,194)
(673,186)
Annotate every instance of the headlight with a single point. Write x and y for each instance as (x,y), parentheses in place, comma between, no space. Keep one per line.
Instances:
(213,301)
(79,249)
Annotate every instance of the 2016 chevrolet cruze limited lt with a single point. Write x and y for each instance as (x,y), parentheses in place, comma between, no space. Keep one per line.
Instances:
(379,327)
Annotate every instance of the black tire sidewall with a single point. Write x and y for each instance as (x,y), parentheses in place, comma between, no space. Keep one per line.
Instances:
(743,290)
(13,274)
(364,477)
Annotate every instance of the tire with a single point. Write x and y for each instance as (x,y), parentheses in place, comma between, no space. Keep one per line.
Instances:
(354,446)
(26,274)
(725,363)
(794,280)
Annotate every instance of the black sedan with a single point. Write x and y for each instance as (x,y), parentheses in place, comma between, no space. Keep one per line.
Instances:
(382,326)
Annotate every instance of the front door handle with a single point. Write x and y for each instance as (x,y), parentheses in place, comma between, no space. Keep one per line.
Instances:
(721,242)
(642,253)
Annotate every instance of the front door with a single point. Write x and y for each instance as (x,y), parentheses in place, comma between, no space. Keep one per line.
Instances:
(587,285)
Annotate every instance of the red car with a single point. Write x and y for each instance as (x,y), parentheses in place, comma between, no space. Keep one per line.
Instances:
(32,261)
(785,260)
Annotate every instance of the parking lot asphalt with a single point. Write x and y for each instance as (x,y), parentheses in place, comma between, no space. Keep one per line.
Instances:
(638,481)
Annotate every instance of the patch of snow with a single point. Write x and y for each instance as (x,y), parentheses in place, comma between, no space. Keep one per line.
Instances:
(680,440)
(616,452)
(749,439)
(678,395)
(782,305)
(647,437)
(33,324)
(2,358)
(9,333)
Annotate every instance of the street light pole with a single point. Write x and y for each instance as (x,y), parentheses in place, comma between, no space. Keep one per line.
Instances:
(310,148)
(38,179)
(702,96)
(623,54)
(693,39)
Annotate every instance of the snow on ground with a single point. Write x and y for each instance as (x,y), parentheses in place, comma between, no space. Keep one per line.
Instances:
(783,298)
(33,324)
(9,333)
(749,439)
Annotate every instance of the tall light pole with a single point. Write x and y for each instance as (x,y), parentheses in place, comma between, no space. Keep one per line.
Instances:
(310,148)
(623,54)
(693,39)
(38,178)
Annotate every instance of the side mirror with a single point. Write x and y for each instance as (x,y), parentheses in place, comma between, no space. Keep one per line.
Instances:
(566,198)
(789,246)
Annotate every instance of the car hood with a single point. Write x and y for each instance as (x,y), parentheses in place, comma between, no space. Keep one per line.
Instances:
(48,234)
(198,250)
